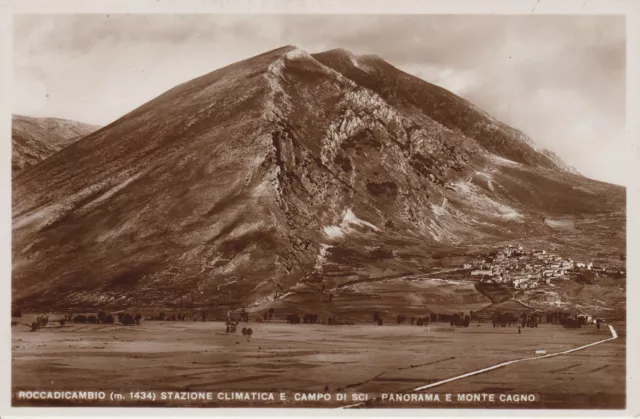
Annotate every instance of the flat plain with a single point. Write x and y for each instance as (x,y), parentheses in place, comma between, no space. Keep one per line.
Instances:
(200,356)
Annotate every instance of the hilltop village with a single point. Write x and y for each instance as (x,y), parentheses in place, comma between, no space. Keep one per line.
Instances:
(524,269)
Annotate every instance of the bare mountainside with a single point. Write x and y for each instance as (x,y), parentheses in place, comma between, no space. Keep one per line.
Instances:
(558,161)
(286,174)
(35,139)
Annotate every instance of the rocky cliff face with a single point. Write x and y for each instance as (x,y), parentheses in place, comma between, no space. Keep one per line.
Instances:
(275,171)
(35,139)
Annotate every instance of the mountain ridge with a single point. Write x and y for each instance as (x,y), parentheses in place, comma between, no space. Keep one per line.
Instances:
(35,139)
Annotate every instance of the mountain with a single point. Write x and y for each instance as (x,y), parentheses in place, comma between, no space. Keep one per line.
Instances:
(559,162)
(35,139)
(277,179)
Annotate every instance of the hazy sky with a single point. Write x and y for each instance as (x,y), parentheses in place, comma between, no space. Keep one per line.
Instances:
(560,79)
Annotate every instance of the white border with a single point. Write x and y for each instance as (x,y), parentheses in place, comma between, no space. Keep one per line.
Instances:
(630,8)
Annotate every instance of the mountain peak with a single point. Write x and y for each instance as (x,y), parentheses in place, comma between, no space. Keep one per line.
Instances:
(291,52)
(287,48)
(338,51)
(283,50)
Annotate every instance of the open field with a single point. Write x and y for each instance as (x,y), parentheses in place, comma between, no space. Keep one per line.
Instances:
(196,356)
(409,296)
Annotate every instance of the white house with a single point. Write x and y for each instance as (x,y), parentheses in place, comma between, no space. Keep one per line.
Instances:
(519,280)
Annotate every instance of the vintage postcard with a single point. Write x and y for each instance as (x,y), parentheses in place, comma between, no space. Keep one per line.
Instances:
(282,208)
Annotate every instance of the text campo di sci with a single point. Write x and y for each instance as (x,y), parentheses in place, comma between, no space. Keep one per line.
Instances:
(279,397)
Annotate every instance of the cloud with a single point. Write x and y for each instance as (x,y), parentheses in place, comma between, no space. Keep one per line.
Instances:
(560,79)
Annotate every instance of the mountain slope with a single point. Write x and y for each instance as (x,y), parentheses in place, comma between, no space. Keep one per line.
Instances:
(559,162)
(415,96)
(283,168)
(35,139)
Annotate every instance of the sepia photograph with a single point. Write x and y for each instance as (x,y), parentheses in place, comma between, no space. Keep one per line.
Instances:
(356,211)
